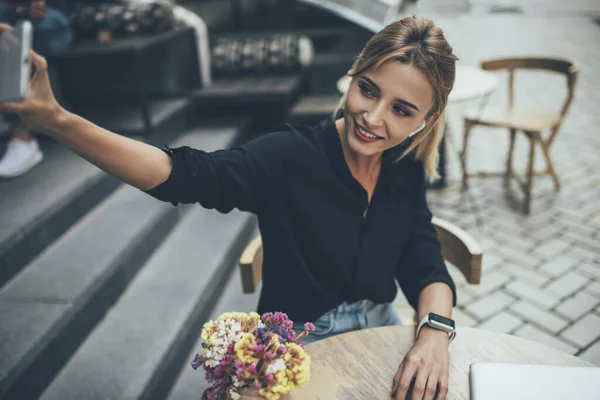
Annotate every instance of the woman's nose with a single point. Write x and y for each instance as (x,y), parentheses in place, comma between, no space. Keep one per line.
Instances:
(374,117)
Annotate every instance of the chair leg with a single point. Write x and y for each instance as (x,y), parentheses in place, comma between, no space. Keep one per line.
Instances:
(529,184)
(463,157)
(550,167)
(509,158)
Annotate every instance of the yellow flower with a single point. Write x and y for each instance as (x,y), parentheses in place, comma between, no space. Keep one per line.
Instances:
(207,330)
(251,322)
(298,364)
(244,348)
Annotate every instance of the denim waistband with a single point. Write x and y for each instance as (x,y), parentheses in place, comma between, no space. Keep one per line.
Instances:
(359,306)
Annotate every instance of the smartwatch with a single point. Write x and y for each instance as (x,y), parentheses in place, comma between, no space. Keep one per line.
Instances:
(438,322)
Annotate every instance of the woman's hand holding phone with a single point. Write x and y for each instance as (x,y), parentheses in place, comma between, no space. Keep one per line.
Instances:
(39,109)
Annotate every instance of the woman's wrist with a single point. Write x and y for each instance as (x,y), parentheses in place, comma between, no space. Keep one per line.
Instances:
(429,333)
(59,123)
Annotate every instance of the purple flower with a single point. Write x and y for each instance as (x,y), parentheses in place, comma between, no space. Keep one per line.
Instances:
(309,327)
(196,362)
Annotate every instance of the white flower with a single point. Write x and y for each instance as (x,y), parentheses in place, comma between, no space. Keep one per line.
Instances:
(236,382)
(234,395)
(228,330)
(276,366)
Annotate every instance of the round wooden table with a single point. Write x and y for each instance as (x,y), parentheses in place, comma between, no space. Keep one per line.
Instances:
(362,364)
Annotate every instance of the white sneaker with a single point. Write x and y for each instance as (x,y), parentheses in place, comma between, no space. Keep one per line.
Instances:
(20,157)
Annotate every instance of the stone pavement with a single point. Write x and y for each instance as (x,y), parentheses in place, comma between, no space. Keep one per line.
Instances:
(541,273)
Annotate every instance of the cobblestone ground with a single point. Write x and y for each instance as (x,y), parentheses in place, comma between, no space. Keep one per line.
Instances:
(541,273)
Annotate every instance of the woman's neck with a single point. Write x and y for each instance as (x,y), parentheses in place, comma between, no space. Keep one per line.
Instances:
(360,165)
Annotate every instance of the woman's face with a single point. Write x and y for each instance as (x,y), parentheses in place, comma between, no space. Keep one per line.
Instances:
(384,106)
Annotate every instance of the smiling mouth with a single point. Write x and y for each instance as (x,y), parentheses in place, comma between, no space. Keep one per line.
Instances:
(365,132)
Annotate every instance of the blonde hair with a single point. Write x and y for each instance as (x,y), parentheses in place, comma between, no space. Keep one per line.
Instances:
(417,42)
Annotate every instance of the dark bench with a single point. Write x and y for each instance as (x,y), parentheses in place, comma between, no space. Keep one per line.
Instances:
(137,70)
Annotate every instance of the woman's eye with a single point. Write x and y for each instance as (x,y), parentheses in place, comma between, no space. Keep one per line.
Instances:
(366,91)
(401,111)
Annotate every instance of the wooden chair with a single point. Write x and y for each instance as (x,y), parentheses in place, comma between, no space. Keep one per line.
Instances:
(531,122)
(458,248)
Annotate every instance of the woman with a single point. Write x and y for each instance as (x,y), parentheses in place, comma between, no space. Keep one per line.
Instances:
(341,206)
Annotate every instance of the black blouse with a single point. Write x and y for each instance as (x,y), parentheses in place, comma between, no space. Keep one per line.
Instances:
(319,250)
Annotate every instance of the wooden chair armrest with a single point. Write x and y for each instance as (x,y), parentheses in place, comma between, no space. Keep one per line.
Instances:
(251,265)
(460,249)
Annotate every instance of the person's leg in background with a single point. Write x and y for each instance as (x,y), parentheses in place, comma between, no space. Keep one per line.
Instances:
(52,35)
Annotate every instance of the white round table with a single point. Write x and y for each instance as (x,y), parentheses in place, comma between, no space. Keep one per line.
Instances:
(470,83)
(362,364)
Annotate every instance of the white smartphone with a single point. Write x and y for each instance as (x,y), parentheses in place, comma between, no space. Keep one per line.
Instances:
(15,62)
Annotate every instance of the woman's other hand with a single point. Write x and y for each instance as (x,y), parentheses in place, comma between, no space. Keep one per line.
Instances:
(427,364)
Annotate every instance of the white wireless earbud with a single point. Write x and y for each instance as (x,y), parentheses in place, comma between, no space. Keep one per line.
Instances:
(419,129)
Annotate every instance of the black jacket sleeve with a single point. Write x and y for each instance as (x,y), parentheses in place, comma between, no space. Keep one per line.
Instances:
(421,262)
(224,179)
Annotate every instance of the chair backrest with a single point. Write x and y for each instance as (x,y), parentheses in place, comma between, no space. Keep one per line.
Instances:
(558,65)
(458,248)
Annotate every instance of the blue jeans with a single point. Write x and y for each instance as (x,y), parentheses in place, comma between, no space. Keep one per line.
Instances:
(50,36)
(350,317)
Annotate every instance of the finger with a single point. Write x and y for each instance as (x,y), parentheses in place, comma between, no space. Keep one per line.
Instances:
(396,380)
(39,63)
(408,373)
(9,38)
(431,385)
(11,107)
(420,384)
(443,383)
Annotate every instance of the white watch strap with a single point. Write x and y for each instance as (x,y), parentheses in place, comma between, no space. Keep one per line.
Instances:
(424,321)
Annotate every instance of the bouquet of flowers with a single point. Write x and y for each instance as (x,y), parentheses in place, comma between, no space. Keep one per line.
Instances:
(242,350)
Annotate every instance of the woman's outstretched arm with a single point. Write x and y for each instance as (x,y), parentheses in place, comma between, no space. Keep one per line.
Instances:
(133,162)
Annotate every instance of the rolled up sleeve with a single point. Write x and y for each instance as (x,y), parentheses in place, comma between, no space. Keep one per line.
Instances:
(222,179)
(421,262)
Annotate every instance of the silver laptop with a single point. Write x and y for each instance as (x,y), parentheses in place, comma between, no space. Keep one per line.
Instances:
(501,381)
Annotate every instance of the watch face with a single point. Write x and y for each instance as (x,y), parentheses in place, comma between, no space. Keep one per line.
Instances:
(441,320)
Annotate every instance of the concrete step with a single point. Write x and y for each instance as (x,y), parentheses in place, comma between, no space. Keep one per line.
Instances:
(126,117)
(150,329)
(51,306)
(148,333)
(38,207)
(311,109)
(190,384)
